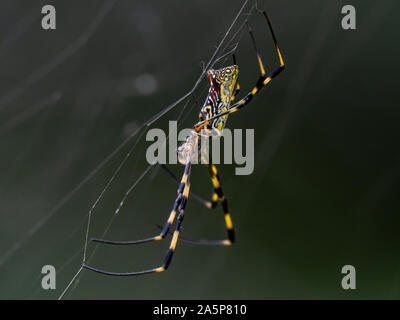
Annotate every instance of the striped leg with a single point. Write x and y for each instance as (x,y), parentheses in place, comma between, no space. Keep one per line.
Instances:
(184,188)
(261,83)
(206,203)
(214,199)
(175,236)
(169,222)
(218,195)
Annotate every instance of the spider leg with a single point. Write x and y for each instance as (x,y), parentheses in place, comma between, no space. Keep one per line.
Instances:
(206,203)
(169,222)
(217,196)
(168,257)
(261,83)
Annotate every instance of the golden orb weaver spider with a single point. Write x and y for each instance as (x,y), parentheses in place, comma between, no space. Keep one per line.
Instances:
(224,86)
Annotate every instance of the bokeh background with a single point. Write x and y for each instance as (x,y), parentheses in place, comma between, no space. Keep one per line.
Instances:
(324,192)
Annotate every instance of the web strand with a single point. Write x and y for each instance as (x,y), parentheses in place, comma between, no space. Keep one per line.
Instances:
(59,59)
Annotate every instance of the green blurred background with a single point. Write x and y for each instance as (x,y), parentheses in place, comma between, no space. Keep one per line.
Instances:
(324,192)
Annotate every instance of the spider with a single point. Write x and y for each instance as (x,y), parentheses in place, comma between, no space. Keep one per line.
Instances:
(224,86)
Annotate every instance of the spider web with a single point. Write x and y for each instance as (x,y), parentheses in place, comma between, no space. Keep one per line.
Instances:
(223,51)
(122,169)
(226,47)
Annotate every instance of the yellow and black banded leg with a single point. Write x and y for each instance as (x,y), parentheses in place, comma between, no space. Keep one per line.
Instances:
(218,196)
(175,235)
(179,206)
(167,225)
(263,80)
(206,203)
